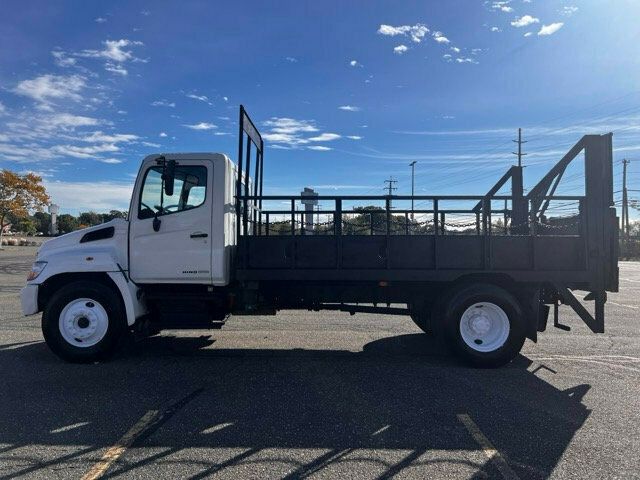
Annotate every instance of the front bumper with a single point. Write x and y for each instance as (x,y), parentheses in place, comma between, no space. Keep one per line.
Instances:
(29,299)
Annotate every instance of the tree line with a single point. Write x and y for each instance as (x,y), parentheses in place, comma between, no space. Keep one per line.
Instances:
(40,222)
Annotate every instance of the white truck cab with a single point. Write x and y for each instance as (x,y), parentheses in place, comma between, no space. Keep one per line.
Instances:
(193,230)
(183,236)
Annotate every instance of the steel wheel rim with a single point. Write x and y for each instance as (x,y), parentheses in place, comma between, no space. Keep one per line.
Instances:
(83,322)
(484,327)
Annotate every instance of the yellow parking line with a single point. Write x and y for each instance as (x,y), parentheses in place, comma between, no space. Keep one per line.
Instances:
(487,447)
(113,453)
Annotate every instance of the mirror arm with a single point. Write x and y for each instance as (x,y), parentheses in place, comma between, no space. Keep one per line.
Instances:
(156,222)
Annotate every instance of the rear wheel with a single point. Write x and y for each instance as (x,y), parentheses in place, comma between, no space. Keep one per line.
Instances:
(83,321)
(485,325)
(422,319)
(420,312)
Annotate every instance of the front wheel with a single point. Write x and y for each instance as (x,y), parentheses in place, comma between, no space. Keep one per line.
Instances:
(485,325)
(83,321)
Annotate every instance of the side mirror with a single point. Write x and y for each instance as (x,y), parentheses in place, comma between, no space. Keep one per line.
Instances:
(168,176)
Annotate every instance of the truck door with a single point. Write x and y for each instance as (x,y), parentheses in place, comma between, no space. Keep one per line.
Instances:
(170,236)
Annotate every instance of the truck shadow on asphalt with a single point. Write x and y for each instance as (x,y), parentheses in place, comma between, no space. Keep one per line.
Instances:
(401,395)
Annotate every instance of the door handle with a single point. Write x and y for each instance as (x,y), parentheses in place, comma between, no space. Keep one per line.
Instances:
(199,235)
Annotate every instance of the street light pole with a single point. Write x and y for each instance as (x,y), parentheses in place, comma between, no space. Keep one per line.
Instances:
(412,165)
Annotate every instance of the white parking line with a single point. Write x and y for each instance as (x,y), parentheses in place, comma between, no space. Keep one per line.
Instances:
(487,447)
(380,430)
(605,362)
(113,453)
(623,305)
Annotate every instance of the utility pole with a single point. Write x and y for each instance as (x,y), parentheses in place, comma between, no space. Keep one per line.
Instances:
(390,187)
(625,201)
(413,171)
(519,142)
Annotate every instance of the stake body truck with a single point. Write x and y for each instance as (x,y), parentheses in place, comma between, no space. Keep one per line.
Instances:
(202,242)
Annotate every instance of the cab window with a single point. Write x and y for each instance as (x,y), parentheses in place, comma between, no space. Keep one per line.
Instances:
(189,191)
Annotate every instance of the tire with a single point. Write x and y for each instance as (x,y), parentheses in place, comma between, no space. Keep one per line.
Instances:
(420,313)
(485,325)
(83,322)
(422,322)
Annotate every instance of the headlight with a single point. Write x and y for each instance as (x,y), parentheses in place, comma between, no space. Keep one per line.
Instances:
(36,269)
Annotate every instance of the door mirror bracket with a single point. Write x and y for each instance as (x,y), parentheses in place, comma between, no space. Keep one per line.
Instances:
(168,176)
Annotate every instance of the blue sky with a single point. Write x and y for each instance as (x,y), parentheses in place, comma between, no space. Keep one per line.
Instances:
(345,93)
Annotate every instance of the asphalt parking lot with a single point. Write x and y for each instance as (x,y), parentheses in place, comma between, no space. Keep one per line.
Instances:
(320,395)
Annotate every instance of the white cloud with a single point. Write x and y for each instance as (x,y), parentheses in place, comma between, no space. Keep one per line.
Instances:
(466,60)
(100,20)
(112,161)
(569,10)
(417,32)
(290,133)
(110,138)
(289,125)
(84,152)
(502,6)
(325,137)
(291,59)
(200,98)
(45,133)
(349,108)
(3,109)
(104,195)
(455,49)
(114,50)
(24,153)
(495,29)
(439,37)
(524,21)
(116,68)
(319,148)
(550,29)
(67,121)
(62,59)
(115,54)
(163,103)
(354,137)
(355,63)
(226,99)
(528,34)
(45,88)
(400,49)
(201,126)
(162,134)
